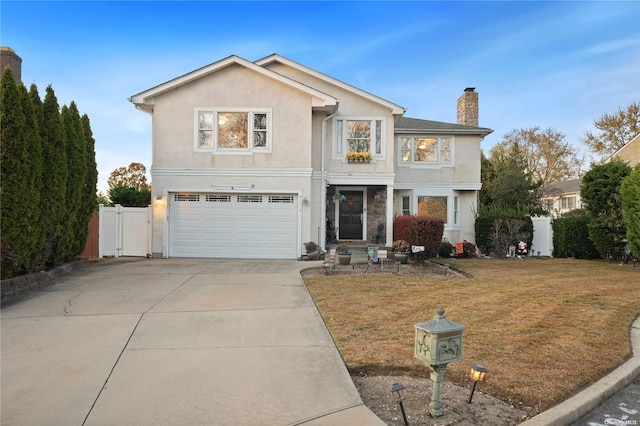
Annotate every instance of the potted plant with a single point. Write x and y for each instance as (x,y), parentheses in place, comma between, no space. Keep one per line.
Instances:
(344,253)
(401,250)
(313,251)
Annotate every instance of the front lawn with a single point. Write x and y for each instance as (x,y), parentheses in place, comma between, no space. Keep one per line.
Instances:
(544,328)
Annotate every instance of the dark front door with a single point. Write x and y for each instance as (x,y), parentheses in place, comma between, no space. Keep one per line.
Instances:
(351,216)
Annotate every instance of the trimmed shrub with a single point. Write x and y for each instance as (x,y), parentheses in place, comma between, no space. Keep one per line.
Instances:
(630,192)
(422,231)
(571,236)
(602,236)
(445,249)
(400,227)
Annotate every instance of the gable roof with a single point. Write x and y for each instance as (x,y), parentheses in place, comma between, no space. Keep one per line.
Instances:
(145,100)
(416,125)
(564,187)
(395,108)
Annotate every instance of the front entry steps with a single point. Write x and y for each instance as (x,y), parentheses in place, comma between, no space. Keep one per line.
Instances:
(359,251)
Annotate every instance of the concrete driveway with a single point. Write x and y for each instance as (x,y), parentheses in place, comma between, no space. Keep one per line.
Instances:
(173,342)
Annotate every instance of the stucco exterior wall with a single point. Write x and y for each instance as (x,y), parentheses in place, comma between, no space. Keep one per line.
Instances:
(234,87)
(351,105)
(178,167)
(464,169)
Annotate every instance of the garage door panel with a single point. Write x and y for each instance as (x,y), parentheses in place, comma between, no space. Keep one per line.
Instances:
(233,226)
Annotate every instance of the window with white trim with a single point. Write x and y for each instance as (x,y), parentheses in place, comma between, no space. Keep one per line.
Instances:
(455,209)
(406,206)
(425,150)
(233,130)
(359,135)
(433,206)
(568,203)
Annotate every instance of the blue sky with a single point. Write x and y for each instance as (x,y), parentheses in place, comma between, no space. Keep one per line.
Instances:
(558,65)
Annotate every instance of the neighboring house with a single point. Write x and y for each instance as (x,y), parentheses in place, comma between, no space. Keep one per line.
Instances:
(562,197)
(250,161)
(629,153)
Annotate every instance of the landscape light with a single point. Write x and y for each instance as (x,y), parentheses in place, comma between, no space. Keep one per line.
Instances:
(477,375)
(396,390)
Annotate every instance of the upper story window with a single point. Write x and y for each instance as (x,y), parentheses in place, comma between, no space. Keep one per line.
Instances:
(359,135)
(568,203)
(426,150)
(233,131)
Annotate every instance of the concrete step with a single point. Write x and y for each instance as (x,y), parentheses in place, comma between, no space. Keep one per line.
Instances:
(359,252)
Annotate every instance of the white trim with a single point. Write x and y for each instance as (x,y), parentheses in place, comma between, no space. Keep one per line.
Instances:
(364,209)
(454,186)
(361,178)
(413,164)
(279,172)
(145,100)
(340,146)
(250,149)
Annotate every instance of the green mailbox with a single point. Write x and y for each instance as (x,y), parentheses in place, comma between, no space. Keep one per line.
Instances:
(438,341)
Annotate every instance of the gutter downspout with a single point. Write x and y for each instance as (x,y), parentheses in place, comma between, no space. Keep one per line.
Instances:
(323,185)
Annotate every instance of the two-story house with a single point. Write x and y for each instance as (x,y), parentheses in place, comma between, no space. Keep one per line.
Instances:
(252,159)
(562,197)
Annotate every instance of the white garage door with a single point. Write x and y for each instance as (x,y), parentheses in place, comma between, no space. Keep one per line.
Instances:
(241,226)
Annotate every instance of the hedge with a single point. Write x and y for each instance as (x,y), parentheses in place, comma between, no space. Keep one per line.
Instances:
(420,231)
(571,236)
(484,223)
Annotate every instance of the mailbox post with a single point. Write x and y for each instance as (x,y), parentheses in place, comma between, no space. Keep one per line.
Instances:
(437,343)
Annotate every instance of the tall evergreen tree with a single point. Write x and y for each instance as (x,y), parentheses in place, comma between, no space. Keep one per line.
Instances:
(33,180)
(54,157)
(36,103)
(600,193)
(512,185)
(89,191)
(14,157)
(76,177)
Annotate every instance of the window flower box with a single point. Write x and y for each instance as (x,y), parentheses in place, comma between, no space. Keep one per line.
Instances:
(358,157)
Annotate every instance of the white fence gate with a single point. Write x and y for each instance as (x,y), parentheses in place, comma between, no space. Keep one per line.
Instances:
(542,236)
(125,231)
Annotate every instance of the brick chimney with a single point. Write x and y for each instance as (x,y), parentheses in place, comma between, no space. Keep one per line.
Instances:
(468,107)
(8,58)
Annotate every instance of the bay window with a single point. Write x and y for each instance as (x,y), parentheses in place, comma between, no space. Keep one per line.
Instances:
(233,131)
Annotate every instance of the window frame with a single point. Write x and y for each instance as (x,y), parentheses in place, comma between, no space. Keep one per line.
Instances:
(413,163)
(250,149)
(377,143)
(568,202)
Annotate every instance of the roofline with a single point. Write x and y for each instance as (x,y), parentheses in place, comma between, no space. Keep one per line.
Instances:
(395,108)
(482,131)
(145,100)
(633,139)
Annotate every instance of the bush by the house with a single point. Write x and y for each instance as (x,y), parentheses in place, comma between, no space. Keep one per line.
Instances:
(630,191)
(571,236)
(489,232)
(421,231)
(400,227)
(445,249)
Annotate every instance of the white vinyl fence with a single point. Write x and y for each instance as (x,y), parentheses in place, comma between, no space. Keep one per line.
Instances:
(125,231)
(542,244)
